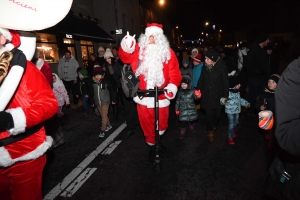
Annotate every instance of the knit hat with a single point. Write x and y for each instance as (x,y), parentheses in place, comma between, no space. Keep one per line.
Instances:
(100,48)
(197,58)
(153,29)
(186,80)
(262,37)
(243,44)
(194,50)
(108,53)
(212,55)
(185,61)
(98,70)
(274,77)
(83,72)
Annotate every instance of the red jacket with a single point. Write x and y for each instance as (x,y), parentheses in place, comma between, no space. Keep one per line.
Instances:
(32,103)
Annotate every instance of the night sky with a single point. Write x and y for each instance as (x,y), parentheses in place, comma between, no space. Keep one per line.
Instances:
(228,15)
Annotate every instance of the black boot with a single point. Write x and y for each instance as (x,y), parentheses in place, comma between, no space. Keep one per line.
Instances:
(151,155)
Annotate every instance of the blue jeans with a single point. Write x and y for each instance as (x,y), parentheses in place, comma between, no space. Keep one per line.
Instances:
(86,105)
(233,120)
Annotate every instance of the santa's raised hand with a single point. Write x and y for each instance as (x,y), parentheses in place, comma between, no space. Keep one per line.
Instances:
(128,43)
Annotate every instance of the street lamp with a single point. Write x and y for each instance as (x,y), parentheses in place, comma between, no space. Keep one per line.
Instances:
(161,2)
(206,24)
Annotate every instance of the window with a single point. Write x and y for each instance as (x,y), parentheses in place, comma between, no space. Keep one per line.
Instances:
(87,49)
(47,46)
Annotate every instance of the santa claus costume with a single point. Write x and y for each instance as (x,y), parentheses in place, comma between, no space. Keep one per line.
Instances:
(156,65)
(26,100)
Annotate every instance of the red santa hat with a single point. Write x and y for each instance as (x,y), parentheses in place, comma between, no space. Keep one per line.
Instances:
(197,58)
(153,29)
(12,36)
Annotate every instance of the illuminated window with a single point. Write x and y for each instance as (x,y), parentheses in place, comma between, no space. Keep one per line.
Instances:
(68,41)
(86,50)
(47,46)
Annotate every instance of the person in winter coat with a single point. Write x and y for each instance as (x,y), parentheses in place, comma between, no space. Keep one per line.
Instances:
(185,107)
(108,68)
(186,70)
(213,84)
(197,70)
(233,106)
(61,94)
(103,95)
(266,101)
(67,72)
(84,89)
(258,69)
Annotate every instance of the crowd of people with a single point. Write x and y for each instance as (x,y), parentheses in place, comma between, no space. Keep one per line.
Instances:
(208,80)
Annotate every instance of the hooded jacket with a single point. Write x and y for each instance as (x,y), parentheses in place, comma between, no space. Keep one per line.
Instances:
(185,103)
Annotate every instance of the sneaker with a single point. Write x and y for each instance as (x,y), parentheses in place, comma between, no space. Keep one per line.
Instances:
(108,127)
(231,141)
(102,134)
(192,129)
(182,133)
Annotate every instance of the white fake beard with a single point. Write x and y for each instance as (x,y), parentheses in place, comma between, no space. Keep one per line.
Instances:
(151,67)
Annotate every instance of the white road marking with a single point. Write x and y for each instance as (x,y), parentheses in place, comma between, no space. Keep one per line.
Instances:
(78,182)
(70,177)
(111,147)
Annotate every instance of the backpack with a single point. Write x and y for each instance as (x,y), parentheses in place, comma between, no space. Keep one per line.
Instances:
(130,83)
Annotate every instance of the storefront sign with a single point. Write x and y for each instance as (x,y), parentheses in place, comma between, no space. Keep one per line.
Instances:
(69,36)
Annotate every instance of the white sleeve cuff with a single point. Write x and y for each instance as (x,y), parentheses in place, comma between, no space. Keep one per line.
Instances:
(19,120)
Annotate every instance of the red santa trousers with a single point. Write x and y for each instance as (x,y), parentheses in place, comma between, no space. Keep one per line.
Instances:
(147,117)
(23,180)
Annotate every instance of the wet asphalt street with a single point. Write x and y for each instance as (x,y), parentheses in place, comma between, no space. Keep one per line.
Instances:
(93,168)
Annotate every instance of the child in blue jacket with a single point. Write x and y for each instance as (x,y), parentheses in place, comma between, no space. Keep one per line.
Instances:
(233,106)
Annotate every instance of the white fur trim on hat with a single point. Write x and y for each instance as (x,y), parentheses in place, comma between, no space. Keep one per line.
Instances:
(153,30)
(6,33)
(108,53)
(19,119)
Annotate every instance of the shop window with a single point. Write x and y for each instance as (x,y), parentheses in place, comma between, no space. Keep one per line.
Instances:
(68,41)
(47,46)
(87,49)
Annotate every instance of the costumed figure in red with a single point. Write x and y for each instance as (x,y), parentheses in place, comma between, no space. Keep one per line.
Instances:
(26,100)
(156,65)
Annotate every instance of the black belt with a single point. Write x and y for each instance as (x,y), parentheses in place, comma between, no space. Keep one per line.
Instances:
(21,136)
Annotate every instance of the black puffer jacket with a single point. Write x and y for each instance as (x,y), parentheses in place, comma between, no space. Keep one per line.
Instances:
(213,84)
(185,103)
(267,97)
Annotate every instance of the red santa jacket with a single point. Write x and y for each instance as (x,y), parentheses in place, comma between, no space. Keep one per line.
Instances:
(32,103)
(171,72)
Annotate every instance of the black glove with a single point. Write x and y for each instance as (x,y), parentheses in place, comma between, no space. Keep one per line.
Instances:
(6,121)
